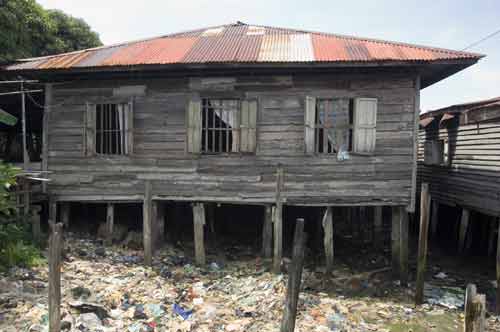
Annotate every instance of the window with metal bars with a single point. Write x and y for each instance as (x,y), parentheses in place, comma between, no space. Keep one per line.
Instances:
(111,128)
(220,125)
(333,128)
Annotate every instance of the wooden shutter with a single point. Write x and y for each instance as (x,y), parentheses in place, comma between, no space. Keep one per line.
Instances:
(129,127)
(90,129)
(310,123)
(365,123)
(194,126)
(248,126)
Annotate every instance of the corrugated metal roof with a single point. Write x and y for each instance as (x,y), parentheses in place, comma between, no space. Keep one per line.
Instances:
(461,108)
(241,43)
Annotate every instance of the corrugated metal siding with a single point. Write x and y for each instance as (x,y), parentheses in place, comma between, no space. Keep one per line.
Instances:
(243,43)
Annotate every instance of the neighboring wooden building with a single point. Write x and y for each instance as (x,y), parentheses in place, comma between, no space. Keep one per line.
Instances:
(237,114)
(459,156)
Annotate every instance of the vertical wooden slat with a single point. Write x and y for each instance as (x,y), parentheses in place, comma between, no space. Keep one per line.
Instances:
(278,221)
(130,127)
(310,122)
(199,224)
(205,116)
(110,220)
(194,126)
(90,133)
(45,132)
(422,243)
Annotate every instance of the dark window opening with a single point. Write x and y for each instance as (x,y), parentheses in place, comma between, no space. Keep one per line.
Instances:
(111,129)
(219,125)
(334,125)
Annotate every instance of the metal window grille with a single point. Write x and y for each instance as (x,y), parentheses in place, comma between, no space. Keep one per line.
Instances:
(219,125)
(334,125)
(111,129)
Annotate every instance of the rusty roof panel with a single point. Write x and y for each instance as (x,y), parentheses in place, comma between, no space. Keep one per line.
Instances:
(234,43)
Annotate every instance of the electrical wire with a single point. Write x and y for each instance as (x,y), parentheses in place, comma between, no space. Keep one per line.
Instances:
(481,40)
(43,106)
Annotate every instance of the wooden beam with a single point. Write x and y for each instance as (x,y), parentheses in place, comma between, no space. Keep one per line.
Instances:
(327,223)
(110,220)
(147,224)
(278,221)
(65,213)
(462,233)
(396,241)
(435,218)
(294,279)
(425,201)
(403,247)
(378,227)
(55,248)
(199,223)
(267,232)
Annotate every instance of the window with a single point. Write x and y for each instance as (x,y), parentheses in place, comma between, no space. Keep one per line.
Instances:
(109,129)
(219,129)
(333,127)
(433,152)
(340,124)
(221,125)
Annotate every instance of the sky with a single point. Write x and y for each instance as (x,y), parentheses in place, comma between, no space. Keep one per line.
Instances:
(453,24)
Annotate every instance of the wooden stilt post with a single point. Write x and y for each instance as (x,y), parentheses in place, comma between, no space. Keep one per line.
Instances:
(435,218)
(403,247)
(65,213)
(294,279)
(147,215)
(492,235)
(363,224)
(110,220)
(26,199)
(475,309)
(396,241)
(52,211)
(211,224)
(199,223)
(35,222)
(425,200)
(498,270)
(355,223)
(55,248)
(267,232)
(464,224)
(378,234)
(328,239)
(160,224)
(278,222)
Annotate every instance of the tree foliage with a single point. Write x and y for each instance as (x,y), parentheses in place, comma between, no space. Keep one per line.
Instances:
(28,30)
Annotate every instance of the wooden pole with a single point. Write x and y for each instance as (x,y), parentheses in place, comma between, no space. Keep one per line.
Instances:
(110,220)
(403,247)
(35,222)
(278,222)
(492,234)
(52,211)
(55,248)
(65,211)
(199,223)
(435,218)
(45,132)
(498,271)
(377,224)
(396,241)
(294,278)
(464,224)
(160,224)
(267,232)
(422,243)
(328,239)
(27,198)
(26,158)
(363,224)
(147,224)
(475,308)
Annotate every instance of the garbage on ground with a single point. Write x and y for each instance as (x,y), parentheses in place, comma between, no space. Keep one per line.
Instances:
(449,297)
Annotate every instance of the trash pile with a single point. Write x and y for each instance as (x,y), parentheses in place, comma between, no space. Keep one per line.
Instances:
(108,289)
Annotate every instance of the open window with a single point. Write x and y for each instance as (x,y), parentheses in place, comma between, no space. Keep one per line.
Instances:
(109,129)
(222,126)
(340,124)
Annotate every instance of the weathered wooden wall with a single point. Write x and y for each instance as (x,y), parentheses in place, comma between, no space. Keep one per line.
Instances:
(384,178)
(472,180)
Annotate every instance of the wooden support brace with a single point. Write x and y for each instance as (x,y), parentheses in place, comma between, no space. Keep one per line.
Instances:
(435,218)
(464,224)
(267,232)
(110,220)
(425,200)
(378,233)
(147,215)
(55,249)
(327,223)
(294,279)
(199,223)
(278,222)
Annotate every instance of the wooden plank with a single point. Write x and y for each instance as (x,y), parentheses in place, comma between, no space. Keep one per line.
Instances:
(396,241)
(295,278)
(147,224)
(199,224)
(464,225)
(278,221)
(310,123)
(55,249)
(267,232)
(422,243)
(327,223)
(378,227)
(110,220)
